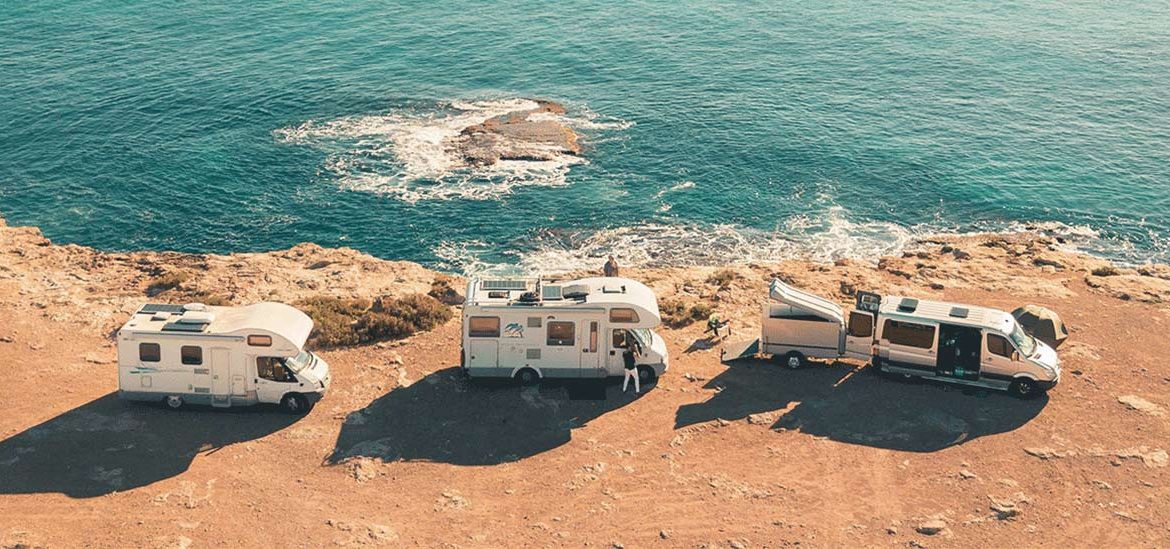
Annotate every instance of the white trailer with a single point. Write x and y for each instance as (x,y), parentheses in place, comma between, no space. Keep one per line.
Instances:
(950,342)
(529,329)
(221,356)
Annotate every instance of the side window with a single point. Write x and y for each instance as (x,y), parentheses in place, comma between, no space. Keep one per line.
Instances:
(483,326)
(191,355)
(260,340)
(561,334)
(619,339)
(593,337)
(909,334)
(998,345)
(860,324)
(623,316)
(149,352)
(272,368)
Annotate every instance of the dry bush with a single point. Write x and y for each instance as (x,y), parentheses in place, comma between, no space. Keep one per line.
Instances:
(166,281)
(334,320)
(723,278)
(676,313)
(345,322)
(443,289)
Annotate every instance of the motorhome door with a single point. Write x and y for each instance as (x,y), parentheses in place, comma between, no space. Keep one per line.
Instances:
(958,351)
(221,373)
(591,365)
(483,357)
(859,335)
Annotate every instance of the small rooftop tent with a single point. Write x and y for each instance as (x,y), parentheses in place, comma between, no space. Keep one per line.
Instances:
(806,303)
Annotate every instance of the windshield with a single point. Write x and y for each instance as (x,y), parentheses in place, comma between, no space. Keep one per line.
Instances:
(643,336)
(299,362)
(1024,342)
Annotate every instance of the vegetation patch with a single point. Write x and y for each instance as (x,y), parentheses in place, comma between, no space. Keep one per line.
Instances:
(677,313)
(339,322)
(723,278)
(165,282)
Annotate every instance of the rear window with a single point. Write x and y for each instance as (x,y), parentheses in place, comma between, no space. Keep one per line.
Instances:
(860,324)
(909,334)
(149,352)
(483,326)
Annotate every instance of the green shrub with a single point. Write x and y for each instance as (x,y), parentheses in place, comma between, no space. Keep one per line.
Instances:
(382,326)
(443,289)
(345,322)
(700,311)
(334,320)
(676,313)
(166,281)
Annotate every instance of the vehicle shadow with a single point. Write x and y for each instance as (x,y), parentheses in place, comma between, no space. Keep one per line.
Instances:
(109,445)
(857,406)
(447,418)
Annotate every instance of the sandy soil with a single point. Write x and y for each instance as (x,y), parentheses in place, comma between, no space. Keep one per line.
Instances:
(403,451)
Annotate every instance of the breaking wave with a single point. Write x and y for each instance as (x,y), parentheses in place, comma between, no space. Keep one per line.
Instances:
(403,153)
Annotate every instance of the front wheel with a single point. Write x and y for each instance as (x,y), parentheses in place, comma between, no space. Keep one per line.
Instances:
(646,375)
(794,360)
(173,402)
(527,377)
(1023,388)
(296,404)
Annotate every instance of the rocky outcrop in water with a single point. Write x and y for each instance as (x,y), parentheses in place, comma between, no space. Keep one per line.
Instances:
(518,135)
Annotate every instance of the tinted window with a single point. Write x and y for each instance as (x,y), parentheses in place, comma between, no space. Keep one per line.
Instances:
(909,334)
(483,326)
(623,315)
(561,333)
(998,345)
(149,352)
(273,369)
(860,324)
(260,341)
(191,355)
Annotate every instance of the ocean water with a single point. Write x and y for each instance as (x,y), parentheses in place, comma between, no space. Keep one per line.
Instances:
(714,131)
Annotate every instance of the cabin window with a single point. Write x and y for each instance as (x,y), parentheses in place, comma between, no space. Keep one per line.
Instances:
(191,355)
(561,334)
(534,322)
(260,341)
(149,352)
(909,334)
(623,315)
(860,324)
(273,369)
(483,326)
(998,345)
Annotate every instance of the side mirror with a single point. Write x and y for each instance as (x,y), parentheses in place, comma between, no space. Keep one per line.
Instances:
(1015,356)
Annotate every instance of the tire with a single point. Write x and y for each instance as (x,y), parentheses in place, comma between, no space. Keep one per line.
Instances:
(295,404)
(794,360)
(173,402)
(1024,388)
(646,375)
(527,377)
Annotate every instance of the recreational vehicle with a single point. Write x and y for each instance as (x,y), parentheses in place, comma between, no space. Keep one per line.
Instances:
(529,329)
(222,356)
(909,337)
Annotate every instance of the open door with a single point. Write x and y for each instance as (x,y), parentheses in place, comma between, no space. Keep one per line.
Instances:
(859,332)
(959,351)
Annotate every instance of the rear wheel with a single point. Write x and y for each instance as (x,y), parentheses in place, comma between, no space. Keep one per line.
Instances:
(794,360)
(174,402)
(527,377)
(1023,388)
(296,404)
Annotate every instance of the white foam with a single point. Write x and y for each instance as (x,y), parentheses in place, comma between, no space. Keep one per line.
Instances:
(403,153)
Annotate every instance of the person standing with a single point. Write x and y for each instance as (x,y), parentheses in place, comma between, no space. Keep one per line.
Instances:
(631,359)
(611,267)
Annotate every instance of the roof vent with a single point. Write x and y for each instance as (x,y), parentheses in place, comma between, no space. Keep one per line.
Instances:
(194,307)
(959,312)
(195,317)
(575,291)
(161,315)
(908,305)
(551,292)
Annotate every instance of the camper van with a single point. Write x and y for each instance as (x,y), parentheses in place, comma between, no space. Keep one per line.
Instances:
(909,337)
(222,356)
(529,329)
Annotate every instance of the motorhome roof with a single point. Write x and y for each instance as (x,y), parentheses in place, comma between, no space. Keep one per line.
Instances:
(275,318)
(562,293)
(943,311)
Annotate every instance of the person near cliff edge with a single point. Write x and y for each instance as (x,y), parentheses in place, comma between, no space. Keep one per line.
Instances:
(630,356)
(611,267)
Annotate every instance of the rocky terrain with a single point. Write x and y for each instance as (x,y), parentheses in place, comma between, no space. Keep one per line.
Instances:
(404,452)
(528,134)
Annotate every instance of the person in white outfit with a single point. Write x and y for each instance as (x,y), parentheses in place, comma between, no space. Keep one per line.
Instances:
(631,359)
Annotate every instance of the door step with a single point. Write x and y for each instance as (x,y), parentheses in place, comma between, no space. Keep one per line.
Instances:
(221,401)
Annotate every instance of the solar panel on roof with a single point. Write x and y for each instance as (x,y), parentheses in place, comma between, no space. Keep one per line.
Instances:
(505,285)
(551,292)
(151,308)
(183,327)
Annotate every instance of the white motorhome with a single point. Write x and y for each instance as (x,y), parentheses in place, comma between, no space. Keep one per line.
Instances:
(529,329)
(222,356)
(951,342)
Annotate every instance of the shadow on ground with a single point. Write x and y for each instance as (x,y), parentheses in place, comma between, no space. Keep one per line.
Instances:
(446,418)
(108,445)
(842,403)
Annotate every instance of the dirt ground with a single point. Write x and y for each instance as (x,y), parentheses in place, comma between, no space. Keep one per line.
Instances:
(405,452)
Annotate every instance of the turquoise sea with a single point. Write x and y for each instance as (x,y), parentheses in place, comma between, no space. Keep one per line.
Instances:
(714,131)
